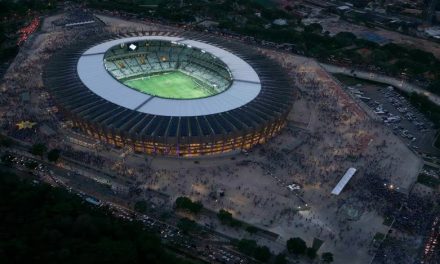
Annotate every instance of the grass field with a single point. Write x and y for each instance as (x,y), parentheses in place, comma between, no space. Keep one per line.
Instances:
(176,85)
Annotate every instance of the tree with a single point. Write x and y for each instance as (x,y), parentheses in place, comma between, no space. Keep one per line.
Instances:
(311,253)
(280,259)
(314,28)
(69,230)
(226,218)
(434,87)
(247,246)
(327,257)
(186,204)
(379,55)
(262,254)
(6,142)
(251,248)
(53,155)
(345,39)
(141,206)
(296,246)
(251,229)
(38,149)
(186,225)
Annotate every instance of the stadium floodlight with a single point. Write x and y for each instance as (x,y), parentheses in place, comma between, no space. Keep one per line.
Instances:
(132,46)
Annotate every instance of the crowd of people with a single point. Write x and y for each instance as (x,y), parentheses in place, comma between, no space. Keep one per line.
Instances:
(24,78)
(85,157)
(26,31)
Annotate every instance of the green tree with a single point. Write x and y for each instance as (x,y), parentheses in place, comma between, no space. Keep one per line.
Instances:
(38,149)
(141,206)
(435,86)
(296,246)
(251,248)
(226,218)
(379,56)
(186,225)
(327,257)
(280,259)
(311,253)
(186,204)
(247,246)
(69,230)
(6,142)
(344,39)
(262,254)
(251,229)
(314,28)
(53,155)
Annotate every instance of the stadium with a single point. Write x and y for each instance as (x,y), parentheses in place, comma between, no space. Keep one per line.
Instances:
(167,93)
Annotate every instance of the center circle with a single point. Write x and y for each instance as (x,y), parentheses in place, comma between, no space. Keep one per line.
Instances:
(167,69)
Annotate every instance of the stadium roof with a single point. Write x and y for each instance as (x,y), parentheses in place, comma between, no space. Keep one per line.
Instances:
(244,88)
(248,106)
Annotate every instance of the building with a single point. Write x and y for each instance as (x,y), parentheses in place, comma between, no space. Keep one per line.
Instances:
(242,98)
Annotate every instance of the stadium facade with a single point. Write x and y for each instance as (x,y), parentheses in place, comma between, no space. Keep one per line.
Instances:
(223,96)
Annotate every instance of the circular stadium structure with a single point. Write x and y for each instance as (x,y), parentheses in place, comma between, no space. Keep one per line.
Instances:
(170,94)
(168,69)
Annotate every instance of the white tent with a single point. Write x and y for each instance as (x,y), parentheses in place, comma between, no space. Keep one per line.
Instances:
(345,179)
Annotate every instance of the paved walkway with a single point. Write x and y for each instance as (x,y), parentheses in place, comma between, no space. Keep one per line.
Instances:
(399,84)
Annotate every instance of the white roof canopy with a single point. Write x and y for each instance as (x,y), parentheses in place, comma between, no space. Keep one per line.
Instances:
(345,179)
(244,88)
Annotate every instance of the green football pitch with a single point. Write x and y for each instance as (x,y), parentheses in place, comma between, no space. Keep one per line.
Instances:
(176,85)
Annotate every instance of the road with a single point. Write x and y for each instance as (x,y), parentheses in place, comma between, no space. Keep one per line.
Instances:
(371,76)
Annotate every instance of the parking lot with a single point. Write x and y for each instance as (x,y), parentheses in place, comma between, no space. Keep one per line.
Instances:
(396,112)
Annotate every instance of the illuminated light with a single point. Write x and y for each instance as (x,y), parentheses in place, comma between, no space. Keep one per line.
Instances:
(25,125)
(132,46)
